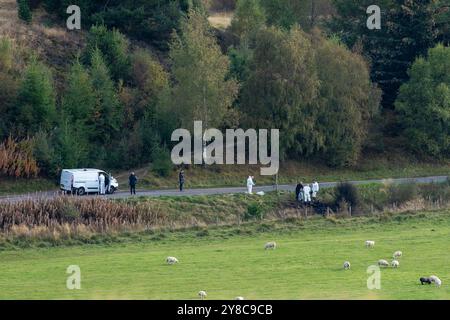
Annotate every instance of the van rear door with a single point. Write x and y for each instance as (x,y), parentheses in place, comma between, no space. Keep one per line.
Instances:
(66,180)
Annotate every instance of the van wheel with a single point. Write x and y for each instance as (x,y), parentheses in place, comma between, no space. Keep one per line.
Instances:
(112,190)
(81,192)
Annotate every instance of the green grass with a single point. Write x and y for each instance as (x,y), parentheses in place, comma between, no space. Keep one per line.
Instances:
(213,208)
(230,262)
(9,186)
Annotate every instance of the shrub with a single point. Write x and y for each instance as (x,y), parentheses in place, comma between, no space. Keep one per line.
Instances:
(36,105)
(202,233)
(254,211)
(34,3)
(327,197)
(222,5)
(162,165)
(16,159)
(436,192)
(348,193)
(401,193)
(114,47)
(24,10)
(44,152)
(344,208)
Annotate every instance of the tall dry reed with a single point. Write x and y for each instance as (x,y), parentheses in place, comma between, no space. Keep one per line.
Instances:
(70,215)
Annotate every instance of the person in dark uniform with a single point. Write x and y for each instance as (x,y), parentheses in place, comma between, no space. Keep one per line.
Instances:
(132,181)
(299,191)
(181,179)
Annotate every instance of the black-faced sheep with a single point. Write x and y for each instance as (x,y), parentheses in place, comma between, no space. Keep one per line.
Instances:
(171,260)
(270,245)
(395,264)
(370,244)
(202,294)
(425,280)
(383,263)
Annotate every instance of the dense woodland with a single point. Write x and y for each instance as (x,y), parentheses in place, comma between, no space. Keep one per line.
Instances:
(334,88)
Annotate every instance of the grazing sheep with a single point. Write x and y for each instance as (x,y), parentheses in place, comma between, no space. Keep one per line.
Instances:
(395,264)
(425,280)
(436,281)
(270,245)
(171,260)
(383,263)
(239,298)
(346,265)
(370,244)
(397,254)
(202,294)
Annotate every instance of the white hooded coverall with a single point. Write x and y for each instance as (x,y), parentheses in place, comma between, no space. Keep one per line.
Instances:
(307,193)
(101,181)
(250,185)
(315,189)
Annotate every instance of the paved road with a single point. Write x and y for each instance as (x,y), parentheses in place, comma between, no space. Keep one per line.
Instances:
(226,190)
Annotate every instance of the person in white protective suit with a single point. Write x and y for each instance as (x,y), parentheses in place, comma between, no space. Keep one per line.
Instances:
(307,193)
(315,189)
(101,181)
(250,184)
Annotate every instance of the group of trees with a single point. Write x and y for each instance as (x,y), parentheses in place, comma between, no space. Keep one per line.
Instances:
(105,115)
(149,20)
(424,104)
(409,29)
(316,91)
(309,68)
(398,56)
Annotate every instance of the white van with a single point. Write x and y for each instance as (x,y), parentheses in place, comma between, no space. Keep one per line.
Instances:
(84,181)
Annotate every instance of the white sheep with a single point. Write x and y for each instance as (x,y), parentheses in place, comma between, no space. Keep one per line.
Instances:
(239,298)
(171,260)
(370,243)
(383,263)
(397,254)
(270,245)
(346,265)
(202,294)
(436,281)
(395,264)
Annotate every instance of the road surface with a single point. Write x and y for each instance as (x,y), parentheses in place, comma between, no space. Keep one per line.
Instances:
(218,191)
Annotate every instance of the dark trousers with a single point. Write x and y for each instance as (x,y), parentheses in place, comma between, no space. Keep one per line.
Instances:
(133,189)
(181,186)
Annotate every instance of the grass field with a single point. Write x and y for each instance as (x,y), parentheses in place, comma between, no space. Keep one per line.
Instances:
(230,261)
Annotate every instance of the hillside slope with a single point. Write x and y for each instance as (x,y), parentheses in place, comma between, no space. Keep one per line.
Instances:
(53,43)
